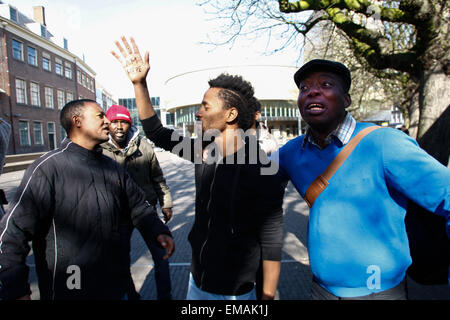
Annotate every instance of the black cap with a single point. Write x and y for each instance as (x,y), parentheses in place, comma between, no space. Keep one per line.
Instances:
(324,65)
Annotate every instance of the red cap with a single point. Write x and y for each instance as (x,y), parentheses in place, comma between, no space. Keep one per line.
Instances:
(117,112)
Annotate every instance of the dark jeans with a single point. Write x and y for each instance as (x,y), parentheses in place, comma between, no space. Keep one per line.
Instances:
(398,292)
(162,272)
(161,268)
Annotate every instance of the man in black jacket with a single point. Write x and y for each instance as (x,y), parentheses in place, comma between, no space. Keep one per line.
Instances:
(70,204)
(238,210)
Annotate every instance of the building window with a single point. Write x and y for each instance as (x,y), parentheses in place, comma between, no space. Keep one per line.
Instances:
(13,14)
(61,99)
(68,70)
(62,132)
(17,48)
(49,97)
(79,76)
(83,79)
(51,135)
(32,56)
(24,133)
(37,131)
(46,64)
(69,96)
(35,94)
(21,91)
(58,66)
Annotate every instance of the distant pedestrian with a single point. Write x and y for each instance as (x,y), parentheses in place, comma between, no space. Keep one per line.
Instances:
(404,129)
(238,211)
(136,155)
(70,205)
(357,241)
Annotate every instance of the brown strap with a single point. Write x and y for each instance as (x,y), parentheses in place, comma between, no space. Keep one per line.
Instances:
(321,182)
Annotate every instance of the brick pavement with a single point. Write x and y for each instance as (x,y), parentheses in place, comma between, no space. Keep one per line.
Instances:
(295,278)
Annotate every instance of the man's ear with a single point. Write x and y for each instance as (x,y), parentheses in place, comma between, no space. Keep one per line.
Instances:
(348,100)
(232,114)
(76,121)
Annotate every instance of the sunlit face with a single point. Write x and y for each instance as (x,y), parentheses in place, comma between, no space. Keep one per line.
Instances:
(212,113)
(93,123)
(322,100)
(118,129)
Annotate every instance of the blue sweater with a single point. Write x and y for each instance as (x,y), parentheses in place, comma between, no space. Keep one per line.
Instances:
(357,242)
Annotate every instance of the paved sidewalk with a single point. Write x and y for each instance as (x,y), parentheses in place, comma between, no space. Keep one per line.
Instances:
(295,278)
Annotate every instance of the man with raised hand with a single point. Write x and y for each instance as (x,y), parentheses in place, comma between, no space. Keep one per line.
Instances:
(238,211)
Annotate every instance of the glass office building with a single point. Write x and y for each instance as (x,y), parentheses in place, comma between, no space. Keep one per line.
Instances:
(274,87)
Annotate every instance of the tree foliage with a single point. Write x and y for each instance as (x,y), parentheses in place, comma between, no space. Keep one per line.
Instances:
(404,42)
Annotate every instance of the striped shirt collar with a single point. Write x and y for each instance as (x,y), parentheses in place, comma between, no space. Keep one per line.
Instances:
(343,132)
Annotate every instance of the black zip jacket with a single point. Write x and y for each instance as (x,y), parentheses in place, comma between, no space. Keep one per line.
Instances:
(238,215)
(70,204)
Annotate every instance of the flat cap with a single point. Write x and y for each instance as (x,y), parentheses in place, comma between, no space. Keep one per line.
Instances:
(324,65)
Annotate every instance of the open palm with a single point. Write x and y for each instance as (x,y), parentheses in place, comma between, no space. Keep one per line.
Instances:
(132,62)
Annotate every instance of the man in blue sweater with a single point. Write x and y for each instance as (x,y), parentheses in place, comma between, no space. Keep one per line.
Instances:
(357,242)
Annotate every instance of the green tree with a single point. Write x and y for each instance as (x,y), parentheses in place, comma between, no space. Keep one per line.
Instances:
(406,41)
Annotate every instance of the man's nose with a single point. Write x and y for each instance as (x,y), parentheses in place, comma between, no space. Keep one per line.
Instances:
(314,90)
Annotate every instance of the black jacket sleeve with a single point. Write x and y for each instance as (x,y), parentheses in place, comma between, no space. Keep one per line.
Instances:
(143,214)
(30,207)
(270,193)
(170,140)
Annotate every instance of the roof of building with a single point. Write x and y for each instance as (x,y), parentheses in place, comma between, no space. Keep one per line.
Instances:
(271,82)
(24,27)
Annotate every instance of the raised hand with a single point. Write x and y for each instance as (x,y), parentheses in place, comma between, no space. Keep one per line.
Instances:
(135,67)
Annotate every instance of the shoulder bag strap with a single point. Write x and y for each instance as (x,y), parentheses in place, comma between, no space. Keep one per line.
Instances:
(321,182)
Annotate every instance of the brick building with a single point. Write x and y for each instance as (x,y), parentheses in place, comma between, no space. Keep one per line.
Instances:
(38,77)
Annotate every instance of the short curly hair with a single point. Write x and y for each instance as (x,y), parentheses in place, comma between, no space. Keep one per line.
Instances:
(72,108)
(238,93)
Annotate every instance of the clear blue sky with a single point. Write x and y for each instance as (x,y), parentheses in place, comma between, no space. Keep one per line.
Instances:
(170,30)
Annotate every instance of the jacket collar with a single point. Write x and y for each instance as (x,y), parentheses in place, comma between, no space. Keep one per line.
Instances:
(71,146)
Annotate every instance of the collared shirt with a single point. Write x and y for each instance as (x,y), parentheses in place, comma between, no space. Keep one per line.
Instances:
(343,133)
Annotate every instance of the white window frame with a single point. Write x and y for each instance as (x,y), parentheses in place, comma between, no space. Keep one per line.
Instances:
(35,95)
(21,49)
(41,134)
(54,133)
(61,98)
(49,102)
(69,96)
(68,70)
(46,56)
(62,132)
(35,56)
(15,16)
(23,89)
(27,143)
(59,63)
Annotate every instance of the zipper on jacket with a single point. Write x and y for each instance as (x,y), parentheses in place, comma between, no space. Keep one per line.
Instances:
(209,224)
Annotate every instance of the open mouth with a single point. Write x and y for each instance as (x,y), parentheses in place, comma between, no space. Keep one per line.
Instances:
(315,108)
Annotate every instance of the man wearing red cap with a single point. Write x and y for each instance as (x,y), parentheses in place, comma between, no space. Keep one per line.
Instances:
(136,154)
